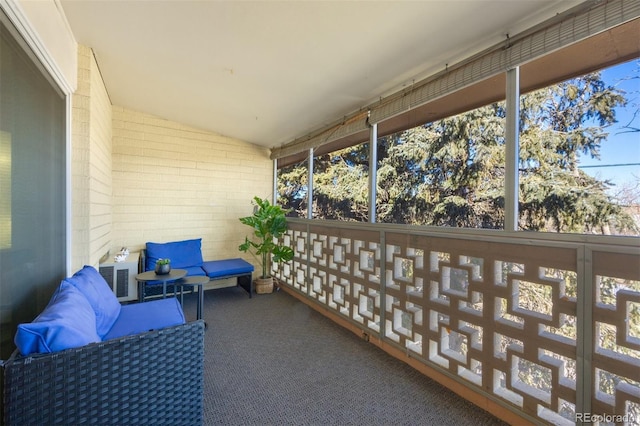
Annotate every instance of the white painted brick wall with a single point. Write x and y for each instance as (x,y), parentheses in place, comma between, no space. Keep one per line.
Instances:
(101,166)
(139,178)
(80,163)
(174,182)
(91,182)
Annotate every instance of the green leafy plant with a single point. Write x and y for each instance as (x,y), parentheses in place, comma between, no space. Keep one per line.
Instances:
(163,261)
(269,223)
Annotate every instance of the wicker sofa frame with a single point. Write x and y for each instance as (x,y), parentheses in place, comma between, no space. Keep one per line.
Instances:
(152,378)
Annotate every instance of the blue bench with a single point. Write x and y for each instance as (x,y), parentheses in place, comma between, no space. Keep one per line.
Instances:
(187,255)
(231,268)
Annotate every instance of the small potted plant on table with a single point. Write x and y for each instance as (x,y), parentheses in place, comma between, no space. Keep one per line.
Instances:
(269,223)
(163,266)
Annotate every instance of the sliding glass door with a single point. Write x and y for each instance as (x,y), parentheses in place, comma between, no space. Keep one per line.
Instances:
(32,186)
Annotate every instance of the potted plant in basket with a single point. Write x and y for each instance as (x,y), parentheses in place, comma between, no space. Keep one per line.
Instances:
(269,223)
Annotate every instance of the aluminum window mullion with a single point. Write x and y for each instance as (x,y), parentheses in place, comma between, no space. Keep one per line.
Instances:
(512,151)
(373,170)
(310,186)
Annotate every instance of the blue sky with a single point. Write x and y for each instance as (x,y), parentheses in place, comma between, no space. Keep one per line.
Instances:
(622,146)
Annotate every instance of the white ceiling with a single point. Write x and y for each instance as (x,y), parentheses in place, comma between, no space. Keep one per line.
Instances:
(269,71)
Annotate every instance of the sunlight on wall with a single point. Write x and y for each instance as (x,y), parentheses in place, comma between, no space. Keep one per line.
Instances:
(5,190)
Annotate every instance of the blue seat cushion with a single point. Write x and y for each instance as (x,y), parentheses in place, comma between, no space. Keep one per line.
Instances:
(195,270)
(227,267)
(100,296)
(141,317)
(183,254)
(68,321)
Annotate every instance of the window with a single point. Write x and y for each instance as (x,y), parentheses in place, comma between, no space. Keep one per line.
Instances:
(292,189)
(32,180)
(341,184)
(446,173)
(580,154)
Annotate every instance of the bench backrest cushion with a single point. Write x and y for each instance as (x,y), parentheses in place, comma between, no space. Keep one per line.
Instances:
(183,254)
(68,321)
(100,296)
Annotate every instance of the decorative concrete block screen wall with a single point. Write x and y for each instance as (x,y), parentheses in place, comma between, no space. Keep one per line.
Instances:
(539,326)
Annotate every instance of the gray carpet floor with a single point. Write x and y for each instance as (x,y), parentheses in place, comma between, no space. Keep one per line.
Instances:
(272,360)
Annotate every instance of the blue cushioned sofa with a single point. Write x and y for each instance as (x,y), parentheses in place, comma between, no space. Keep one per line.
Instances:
(187,254)
(88,359)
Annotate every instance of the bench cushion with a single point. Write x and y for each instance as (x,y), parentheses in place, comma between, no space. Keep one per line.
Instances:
(227,267)
(195,270)
(141,317)
(67,322)
(183,254)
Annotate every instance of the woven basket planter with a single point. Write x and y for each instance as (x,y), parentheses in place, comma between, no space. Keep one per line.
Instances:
(264,285)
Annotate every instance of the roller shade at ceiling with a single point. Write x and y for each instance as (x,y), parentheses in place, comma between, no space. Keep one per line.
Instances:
(589,37)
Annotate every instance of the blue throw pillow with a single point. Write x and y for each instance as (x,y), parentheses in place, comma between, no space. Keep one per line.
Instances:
(182,254)
(67,322)
(100,296)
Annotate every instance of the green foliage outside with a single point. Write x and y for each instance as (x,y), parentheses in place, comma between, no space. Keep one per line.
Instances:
(451,172)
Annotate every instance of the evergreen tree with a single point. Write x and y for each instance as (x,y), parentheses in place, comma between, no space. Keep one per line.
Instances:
(558,123)
(451,172)
(292,189)
(340,187)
